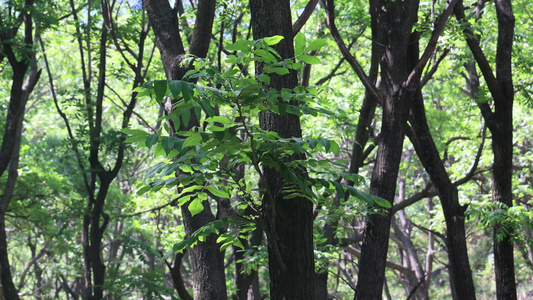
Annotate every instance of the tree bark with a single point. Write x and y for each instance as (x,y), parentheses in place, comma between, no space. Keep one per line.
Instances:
(206,259)
(23,83)
(462,284)
(395,22)
(288,221)
(500,123)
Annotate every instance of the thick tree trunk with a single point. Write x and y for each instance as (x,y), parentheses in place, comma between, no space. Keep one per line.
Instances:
(206,258)
(500,123)
(395,23)
(288,221)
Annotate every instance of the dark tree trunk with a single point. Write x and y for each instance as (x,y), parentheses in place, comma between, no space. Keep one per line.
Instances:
(177,280)
(395,22)
(462,284)
(288,222)
(23,83)
(206,258)
(500,123)
(502,148)
(399,81)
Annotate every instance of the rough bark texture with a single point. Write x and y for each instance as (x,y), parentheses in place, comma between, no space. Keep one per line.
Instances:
(502,148)
(396,23)
(500,123)
(206,259)
(288,221)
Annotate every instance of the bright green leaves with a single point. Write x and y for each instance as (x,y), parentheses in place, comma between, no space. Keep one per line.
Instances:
(301,52)
(273,40)
(223,136)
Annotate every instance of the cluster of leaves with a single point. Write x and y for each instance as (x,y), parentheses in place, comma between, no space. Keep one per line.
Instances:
(224,135)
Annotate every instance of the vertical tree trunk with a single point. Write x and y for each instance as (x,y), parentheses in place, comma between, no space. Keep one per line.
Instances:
(502,148)
(288,221)
(23,83)
(206,258)
(500,123)
(395,22)
(462,284)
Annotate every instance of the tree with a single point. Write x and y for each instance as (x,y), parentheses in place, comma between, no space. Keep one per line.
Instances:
(289,222)
(207,260)
(500,123)
(26,74)
(398,84)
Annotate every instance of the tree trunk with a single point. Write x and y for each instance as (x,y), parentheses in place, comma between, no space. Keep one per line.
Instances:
(206,258)
(462,284)
(500,123)
(288,221)
(22,85)
(397,28)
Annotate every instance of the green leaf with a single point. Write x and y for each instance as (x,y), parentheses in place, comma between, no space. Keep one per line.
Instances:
(264,78)
(325,143)
(196,206)
(299,44)
(135,139)
(175,88)
(278,70)
(218,119)
(187,90)
(185,116)
(382,202)
(133,131)
(193,140)
(273,40)
(338,187)
(241,45)
(167,143)
(309,59)
(160,89)
(143,190)
(316,44)
(151,140)
(335,147)
(218,193)
(207,106)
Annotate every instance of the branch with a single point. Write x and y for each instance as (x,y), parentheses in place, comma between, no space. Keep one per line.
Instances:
(330,21)
(31,263)
(434,67)
(306,14)
(432,44)
(477,52)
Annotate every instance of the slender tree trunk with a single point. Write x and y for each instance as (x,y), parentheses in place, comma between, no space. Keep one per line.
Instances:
(288,221)
(462,284)
(23,83)
(502,148)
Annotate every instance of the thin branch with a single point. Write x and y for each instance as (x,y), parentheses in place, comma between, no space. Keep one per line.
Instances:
(432,44)
(306,14)
(330,21)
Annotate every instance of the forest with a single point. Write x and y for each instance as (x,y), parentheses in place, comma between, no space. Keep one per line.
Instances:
(317,149)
